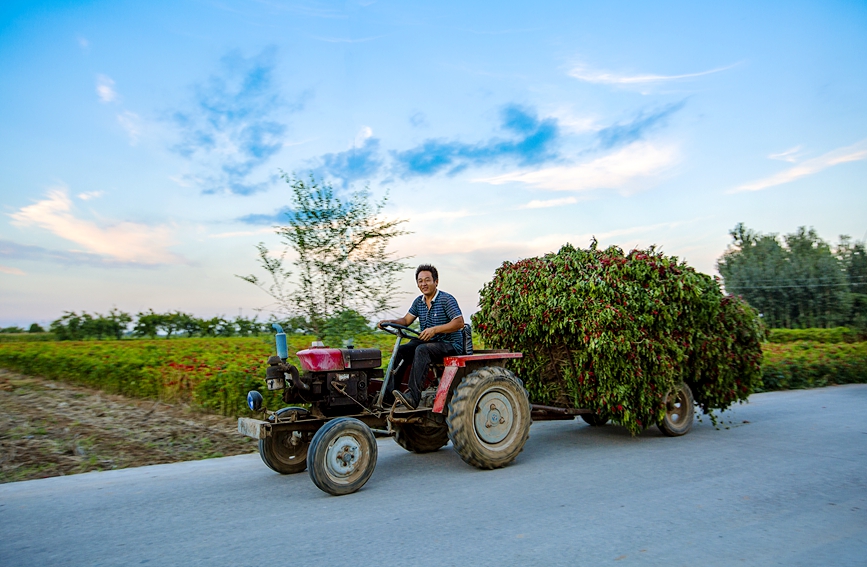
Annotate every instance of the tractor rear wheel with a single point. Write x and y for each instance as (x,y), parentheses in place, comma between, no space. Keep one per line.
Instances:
(679,412)
(421,438)
(342,456)
(489,418)
(286,451)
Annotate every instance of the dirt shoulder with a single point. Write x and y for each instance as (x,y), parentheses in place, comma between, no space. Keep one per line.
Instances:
(49,428)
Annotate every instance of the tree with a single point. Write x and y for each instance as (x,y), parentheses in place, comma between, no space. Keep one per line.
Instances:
(342,258)
(797,283)
(72,326)
(147,324)
(853,256)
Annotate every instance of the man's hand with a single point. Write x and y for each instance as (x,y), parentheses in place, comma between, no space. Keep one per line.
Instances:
(427,334)
(406,321)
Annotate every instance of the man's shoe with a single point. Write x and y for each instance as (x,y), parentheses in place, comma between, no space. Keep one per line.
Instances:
(404,400)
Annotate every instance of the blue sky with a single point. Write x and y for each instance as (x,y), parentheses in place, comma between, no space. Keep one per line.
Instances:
(142,143)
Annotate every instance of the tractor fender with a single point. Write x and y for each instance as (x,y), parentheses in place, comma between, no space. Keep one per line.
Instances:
(448,376)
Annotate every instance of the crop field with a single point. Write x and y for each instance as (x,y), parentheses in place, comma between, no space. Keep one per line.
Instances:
(212,374)
(215,374)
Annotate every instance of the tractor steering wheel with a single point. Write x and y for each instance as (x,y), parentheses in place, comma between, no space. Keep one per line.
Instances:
(398,330)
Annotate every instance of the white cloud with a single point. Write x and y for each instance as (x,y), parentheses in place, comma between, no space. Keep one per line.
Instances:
(539,204)
(620,169)
(88,195)
(790,155)
(130,122)
(582,73)
(500,244)
(363,134)
(105,89)
(855,152)
(269,230)
(11,271)
(123,241)
(186,181)
(574,123)
(424,216)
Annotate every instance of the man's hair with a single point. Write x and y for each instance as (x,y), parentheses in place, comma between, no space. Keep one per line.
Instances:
(427,268)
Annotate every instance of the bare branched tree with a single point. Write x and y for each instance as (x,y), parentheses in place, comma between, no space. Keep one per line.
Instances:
(343,262)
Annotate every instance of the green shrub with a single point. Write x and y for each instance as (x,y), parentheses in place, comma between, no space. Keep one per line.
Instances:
(807,364)
(832,335)
(614,332)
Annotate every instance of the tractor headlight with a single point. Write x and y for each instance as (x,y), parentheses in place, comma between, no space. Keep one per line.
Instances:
(254,400)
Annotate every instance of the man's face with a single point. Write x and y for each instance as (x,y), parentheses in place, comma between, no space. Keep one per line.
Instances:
(426,284)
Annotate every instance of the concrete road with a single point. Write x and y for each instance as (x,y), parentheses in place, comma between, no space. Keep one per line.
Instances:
(784,484)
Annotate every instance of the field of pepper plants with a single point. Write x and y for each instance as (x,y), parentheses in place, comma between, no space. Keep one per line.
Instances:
(209,373)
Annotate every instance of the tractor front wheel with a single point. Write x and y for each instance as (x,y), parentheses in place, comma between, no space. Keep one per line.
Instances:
(342,456)
(421,438)
(489,418)
(286,451)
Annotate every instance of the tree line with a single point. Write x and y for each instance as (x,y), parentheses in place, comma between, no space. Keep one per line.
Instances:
(117,325)
(34,328)
(798,281)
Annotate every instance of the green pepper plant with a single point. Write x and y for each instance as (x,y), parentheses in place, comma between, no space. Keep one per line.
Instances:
(616,332)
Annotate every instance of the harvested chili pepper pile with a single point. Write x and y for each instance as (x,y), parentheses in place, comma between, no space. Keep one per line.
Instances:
(615,332)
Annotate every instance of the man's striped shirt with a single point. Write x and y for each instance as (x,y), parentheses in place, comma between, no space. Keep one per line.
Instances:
(443,309)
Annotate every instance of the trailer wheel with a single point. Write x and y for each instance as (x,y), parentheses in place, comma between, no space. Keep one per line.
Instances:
(489,418)
(594,419)
(421,438)
(679,412)
(286,451)
(342,456)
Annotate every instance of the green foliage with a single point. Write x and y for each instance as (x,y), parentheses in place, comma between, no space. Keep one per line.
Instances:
(832,335)
(342,259)
(807,364)
(345,326)
(214,374)
(799,282)
(36,328)
(11,330)
(342,326)
(853,257)
(615,332)
(72,327)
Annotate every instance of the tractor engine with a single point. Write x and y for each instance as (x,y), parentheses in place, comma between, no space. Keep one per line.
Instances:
(336,381)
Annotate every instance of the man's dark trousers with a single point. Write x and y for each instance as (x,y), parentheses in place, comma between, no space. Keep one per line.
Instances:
(420,354)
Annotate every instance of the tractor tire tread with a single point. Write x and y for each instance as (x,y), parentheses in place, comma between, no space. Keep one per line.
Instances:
(461,429)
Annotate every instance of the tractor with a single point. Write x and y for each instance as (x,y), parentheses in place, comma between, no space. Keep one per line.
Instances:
(336,410)
(471,399)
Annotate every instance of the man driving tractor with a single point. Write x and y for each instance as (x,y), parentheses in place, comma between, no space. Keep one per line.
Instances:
(441,323)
